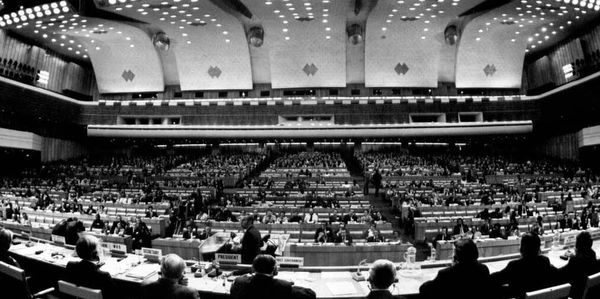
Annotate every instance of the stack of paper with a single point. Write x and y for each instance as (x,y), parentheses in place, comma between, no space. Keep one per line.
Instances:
(143,271)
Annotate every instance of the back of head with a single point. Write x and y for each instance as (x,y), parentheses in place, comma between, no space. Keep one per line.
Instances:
(382,274)
(584,242)
(264,264)
(530,245)
(6,237)
(87,248)
(465,251)
(172,266)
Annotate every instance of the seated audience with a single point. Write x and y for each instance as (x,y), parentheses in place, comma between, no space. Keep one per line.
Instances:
(381,276)
(372,234)
(323,234)
(466,268)
(460,228)
(87,272)
(311,217)
(342,236)
(529,273)
(262,284)
(171,284)
(580,266)
(98,223)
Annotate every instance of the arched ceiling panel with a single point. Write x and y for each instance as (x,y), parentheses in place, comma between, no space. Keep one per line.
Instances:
(209,44)
(306,41)
(404,40)
(493,46)
(122,55)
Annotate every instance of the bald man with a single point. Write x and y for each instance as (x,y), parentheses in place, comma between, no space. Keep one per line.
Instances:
(171,284)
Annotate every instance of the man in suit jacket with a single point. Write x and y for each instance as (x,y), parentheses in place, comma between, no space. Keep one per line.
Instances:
(580,266)
(529,273)
(466,278)
(171,284)
(262,284)
(381,276)
(251,242)
(86,273)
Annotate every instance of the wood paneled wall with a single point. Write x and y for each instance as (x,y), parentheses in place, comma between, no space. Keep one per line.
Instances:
(561,146)
(64,75)
(547,70)
(54,149)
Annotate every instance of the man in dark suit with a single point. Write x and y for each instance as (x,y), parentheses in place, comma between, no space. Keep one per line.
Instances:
(580,266)
(460,228)
(381,276)
(150,212)
(262,284)
(529,273)
(251,242)
(466,278)
(172,284)
(86,273)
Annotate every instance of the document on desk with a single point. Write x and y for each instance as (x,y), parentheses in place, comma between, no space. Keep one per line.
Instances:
(339,288)
(143,271)
(336,275)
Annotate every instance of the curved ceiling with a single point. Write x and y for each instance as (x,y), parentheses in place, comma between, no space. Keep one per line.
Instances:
(494,44)
(305,41)
(209,44)
(404,41)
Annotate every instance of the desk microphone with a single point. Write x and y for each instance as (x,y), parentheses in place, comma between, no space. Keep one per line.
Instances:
(357,275)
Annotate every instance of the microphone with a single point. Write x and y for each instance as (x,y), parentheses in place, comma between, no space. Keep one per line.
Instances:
(357,275)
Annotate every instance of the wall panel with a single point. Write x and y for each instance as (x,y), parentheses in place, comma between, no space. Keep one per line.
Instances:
(63,74)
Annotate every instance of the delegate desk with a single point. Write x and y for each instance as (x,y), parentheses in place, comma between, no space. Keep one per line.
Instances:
(327,282)
(330,254)
(44,232)
(157,224)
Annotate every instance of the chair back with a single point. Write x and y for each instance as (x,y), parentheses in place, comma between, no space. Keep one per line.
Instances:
(555,292)
(78,291)
(14,282)
(592,286)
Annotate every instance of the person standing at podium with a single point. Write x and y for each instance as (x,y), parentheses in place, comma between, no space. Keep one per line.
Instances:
(251,242)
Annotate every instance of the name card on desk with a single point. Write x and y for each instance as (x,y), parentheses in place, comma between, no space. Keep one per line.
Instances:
(151,254)
(114,247)
(569,240)
(58,239)
(290,261)
(228,258)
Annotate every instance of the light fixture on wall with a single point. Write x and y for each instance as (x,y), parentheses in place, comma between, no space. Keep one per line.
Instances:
(161,41)
(355,34)
(256,36)
(451,35)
